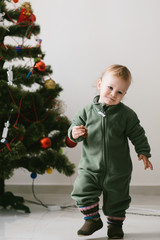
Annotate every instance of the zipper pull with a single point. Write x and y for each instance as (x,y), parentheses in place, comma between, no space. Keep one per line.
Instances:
(102,114)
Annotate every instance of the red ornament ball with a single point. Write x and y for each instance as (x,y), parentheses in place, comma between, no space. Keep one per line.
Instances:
(15,1)
(40,66)
(70,143)
(45,142)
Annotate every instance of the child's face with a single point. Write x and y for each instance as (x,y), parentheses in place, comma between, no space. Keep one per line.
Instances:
(27,6)
(112,89)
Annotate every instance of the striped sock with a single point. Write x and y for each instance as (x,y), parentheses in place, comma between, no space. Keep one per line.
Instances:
(115,220)
(90,212)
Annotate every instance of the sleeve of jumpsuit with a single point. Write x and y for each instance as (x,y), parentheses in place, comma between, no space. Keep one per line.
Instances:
(79,119)
(136,134)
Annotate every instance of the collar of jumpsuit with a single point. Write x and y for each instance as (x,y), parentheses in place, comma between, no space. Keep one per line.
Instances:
(102,108)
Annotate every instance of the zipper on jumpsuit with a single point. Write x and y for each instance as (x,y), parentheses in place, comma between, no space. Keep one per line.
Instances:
(104,120)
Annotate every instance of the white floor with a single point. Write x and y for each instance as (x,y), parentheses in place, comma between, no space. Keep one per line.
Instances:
(63,223)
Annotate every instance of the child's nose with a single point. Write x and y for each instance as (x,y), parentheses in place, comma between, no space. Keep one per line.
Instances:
(114,93)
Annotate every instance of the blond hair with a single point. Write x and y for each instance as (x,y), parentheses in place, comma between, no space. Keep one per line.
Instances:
(119,71)
(27,3)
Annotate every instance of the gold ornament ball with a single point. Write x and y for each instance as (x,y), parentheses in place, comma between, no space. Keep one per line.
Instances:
(49,170)
(50,84)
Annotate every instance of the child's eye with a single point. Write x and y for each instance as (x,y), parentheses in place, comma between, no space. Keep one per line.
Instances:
(120,92)
(111,88)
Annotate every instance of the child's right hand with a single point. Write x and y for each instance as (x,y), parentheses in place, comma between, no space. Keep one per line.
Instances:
(147,163)
(78,131)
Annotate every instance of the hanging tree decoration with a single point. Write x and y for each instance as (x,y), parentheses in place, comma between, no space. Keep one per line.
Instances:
(50,84)
(5,132)
(39,41)
(45,143)
(33,175)
(10,76)
(49,170)
(18,49)
(40,66)
(30,72)
(70,143)
(26,13)
(4,135)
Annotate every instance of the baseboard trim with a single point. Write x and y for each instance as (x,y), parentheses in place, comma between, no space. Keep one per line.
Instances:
(67,189)
(145,190)
(40,189)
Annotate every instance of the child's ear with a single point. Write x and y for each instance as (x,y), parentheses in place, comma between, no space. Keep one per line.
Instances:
(99,82)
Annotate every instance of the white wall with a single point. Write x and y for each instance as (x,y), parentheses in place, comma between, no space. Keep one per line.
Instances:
(81,38)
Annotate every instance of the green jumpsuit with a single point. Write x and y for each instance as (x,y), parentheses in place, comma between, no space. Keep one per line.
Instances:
(105,165)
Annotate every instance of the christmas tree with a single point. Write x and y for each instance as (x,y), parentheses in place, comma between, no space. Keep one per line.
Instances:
(33,128)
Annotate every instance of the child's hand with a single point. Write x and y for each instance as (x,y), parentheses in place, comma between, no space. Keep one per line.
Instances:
(78,131)
(147,163)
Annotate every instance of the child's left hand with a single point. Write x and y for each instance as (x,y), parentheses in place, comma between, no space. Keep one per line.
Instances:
(147,163)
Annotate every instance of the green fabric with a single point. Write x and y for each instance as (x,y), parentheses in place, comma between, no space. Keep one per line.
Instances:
(105,165)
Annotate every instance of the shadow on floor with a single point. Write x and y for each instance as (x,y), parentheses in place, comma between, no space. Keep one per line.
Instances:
(104,238)
(139,236)
(133,236)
